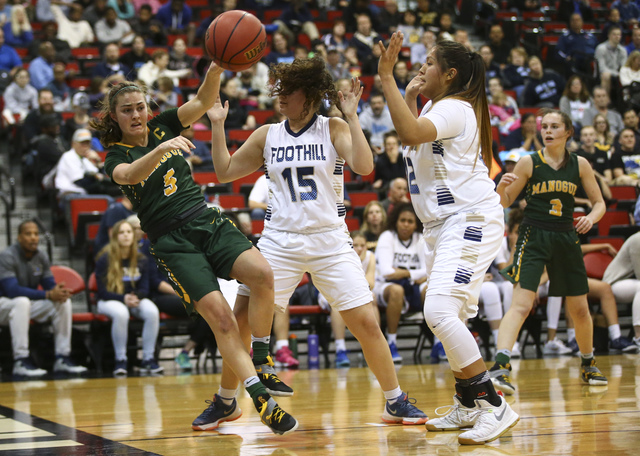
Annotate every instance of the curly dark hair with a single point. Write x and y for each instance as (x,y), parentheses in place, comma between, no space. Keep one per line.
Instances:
(111,132)
(398,209)
(311,76)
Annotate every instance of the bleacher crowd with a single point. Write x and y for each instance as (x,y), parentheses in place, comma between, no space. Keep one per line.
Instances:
(59,58)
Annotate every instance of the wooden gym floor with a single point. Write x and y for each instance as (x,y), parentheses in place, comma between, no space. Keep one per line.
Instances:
(339,414)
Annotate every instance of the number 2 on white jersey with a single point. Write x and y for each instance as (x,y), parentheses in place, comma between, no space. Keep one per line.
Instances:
(413,186)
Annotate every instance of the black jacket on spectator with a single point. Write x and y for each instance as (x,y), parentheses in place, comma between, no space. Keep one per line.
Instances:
(544,91)
(31,126)
(388,171)
(104,71)
(514,76)
(598,160)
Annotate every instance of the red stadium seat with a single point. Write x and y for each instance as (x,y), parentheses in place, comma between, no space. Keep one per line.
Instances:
(612,218)
(361,199)
(596,263)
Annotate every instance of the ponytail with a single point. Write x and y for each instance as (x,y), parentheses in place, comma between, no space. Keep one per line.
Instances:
(469,85)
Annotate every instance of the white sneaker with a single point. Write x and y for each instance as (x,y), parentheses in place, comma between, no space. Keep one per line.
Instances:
(64,364)
(556,347)
(458,417)
(25,367)
(515,351)
(491,423)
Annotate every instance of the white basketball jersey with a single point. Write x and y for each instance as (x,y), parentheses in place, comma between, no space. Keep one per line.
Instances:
(444,175)
(392,253)
(305,178)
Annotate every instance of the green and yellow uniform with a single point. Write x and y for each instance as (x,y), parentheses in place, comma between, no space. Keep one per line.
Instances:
(547,236)
(192,244)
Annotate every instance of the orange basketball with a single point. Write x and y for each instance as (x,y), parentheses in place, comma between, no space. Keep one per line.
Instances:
(236,40)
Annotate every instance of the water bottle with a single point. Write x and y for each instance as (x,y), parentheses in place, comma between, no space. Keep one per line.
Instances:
(312,347)
(293,345)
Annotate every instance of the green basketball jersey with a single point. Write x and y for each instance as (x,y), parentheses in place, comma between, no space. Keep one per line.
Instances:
(550,193)
(169,190)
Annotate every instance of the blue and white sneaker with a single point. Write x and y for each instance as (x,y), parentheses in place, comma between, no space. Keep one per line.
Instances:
(64,364)
(395,356)
(25,367)
(216,413)
(120,368)
(150,366)
(342,359)
(402,411)
(624,345)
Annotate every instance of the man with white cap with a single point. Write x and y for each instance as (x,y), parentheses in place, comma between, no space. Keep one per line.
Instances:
(75,171)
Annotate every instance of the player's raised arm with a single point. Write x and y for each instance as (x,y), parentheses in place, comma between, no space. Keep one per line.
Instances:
(247,159)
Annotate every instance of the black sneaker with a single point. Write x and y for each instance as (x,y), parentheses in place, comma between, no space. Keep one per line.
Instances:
(591,374)
(279,421)
(216,413)
(267,375)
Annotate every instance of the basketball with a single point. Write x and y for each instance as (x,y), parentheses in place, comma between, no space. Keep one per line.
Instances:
(236,40)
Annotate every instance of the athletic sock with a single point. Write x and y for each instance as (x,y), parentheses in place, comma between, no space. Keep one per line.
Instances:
(227,395)
(393,395)
(586,358)
(257,391)
(614,332)
(391,338)
(494,333)
(571,334)
(260,346)
(281,343)
(341,345)
(503,357)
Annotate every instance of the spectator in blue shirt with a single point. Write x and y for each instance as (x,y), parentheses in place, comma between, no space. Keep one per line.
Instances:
(296,18)
(176,18)
(280,51)
(200,157)
(41,68)
(635,41)
(9,58)
(17,31)
(111,64)
(629,11)
(576,47)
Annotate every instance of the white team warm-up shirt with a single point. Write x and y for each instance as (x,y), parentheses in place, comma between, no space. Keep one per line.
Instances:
(444,175)
(392,253)
(305,176)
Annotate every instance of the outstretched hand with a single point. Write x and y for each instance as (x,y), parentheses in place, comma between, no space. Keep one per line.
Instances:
(179,142)
(218,113)
(349,101)
(389,56)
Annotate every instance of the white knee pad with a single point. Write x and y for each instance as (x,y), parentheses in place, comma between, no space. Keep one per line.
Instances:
(442,315)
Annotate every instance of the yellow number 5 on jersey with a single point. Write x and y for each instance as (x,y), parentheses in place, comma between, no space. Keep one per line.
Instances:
(170,186)
(556,207)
